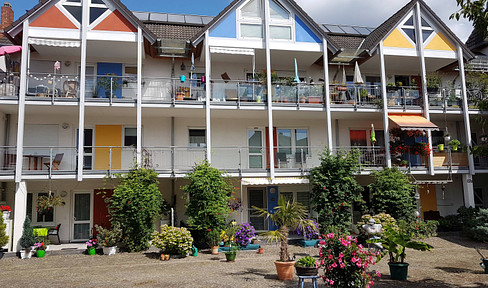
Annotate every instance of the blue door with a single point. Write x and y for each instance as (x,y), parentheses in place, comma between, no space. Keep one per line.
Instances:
(272,203)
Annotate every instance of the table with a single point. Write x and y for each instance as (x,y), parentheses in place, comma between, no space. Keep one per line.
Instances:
(35,159)
(41,231)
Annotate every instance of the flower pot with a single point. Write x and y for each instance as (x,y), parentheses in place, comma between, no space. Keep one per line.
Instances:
(230,256)
(483,264)
(2,252)
(398,271)
(40,253)
(454,148)
(260,251)
(440,147)
(6,215)
(254,241)
(215,250)
(258,99)
(285,269)
(91,251)
(179,96)
(26,253)
(110,250)
(306,271)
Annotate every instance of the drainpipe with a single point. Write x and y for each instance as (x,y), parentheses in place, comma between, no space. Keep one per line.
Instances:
(7,129)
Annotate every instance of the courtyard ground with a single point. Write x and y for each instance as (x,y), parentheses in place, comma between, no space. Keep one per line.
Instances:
(453,263)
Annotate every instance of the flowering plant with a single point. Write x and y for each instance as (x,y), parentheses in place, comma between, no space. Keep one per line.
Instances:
(173,240)
(45,203)
(235,204)
(39,246)
(109,237)
(229,234)
(91,244)
(308,228)
(245,232)
(345,262)
(5,208)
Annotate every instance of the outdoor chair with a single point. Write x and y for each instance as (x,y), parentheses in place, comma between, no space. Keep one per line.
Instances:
(56,161)
(225,77)
(54,232)
(70,88)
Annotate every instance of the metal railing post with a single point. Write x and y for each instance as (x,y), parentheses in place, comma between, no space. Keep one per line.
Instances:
(50,161)
(110,161)
(172,159)
(240,160)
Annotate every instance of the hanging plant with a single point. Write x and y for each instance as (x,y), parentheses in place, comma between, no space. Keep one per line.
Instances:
(46,203)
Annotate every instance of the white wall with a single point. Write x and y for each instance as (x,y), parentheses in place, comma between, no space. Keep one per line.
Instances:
(452,199)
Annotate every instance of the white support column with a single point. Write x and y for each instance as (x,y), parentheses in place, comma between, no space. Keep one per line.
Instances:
(468,190)
(386,123)
(420,49)
(22,91)
(269,91)
(208,90)
(467,121)
(20,210)
(81,120)
(327,94)
(139,95)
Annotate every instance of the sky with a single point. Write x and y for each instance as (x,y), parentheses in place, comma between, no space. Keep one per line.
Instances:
(369,13)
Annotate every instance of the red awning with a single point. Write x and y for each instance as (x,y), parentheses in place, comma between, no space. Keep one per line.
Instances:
(412,122)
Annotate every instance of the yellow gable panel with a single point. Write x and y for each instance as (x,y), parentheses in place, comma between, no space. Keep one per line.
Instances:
(396,39)
(440,42)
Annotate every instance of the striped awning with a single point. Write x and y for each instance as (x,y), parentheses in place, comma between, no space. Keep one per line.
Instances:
(55,42)
(412,122)
(232,50)
(274,181)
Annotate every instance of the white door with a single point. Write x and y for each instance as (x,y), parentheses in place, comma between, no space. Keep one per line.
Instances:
(82,216)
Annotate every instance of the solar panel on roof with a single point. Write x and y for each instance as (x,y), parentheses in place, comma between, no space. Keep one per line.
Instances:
(363,30)
(206,19)
(163,17)
(349,30)
(334,28)
(176,18)
(193,19)
(143,16)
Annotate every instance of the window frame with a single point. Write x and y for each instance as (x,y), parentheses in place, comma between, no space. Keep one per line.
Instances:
(189,138)
(34,214)
(124,134)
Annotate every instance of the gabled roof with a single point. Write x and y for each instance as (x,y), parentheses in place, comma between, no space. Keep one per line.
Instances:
(476,41)
(121,7)
(372,41)
(198,38)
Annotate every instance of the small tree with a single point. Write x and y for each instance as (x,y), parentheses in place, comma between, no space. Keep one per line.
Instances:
(209,194)
(335,189)
(393,194)
(135,205)
(3,235)
(27,238)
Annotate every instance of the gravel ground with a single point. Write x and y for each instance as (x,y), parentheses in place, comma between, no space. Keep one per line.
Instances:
(454,263)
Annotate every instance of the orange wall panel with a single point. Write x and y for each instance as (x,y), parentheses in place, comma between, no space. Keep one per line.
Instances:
(115,22)
(53,18)
(108,135)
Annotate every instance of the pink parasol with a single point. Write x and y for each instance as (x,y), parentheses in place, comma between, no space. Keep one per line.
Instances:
(9,49)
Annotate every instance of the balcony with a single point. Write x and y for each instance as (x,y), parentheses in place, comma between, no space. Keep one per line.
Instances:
(369,156)
(356,95)
(8,159)
(52,87)
(445,98)
(298,93)
(9,85)
(232,92)
(49,160)
(404,97)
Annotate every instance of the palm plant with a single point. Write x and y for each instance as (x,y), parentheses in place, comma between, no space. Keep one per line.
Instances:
(287,215)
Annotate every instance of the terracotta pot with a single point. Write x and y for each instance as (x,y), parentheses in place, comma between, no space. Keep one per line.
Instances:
(215,250)
(260,251)
(285,269)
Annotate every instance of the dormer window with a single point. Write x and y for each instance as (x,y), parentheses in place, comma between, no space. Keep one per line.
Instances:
(251,20)
(408,28)
(74,8)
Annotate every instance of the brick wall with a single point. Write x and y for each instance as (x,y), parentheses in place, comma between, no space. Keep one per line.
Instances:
(7,15)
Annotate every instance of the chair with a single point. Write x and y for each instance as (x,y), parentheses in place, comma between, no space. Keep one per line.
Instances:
(42,91)
(54,232)
(56,161)
(225,77)
(70,88)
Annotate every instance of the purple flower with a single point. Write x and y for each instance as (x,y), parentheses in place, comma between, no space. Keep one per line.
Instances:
(310,231)
(245,232)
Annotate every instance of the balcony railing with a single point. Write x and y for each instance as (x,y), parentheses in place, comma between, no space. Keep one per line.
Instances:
(54,87)
(298,93)
(49,160)
(9,85)
(237,91)
(356,95)
(369,156)
(8,159)
(445,98)
(403,96)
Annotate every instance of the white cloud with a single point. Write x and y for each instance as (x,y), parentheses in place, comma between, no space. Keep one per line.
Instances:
(374,12)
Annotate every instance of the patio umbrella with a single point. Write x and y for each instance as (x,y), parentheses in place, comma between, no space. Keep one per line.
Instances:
(3,64)
(9,49)
(357,75)
(297,79)
(343,76)
(373,140)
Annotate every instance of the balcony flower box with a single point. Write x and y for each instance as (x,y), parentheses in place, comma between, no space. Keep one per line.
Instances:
(314,99)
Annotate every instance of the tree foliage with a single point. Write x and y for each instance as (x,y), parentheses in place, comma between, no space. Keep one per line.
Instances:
(393,194)
(27,238)
(3,235)
(475,11)
(135,205)
(335,189)
(208,192)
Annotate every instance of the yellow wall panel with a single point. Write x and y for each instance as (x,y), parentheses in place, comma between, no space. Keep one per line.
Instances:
(396,39)
(440,42)
(108,135)
(428,201)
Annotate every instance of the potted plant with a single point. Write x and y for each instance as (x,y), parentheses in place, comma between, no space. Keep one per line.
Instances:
(3,236)
(174,241)
(310,231)
(433,83)
(91,246)
(306,266)
(27,239)
(447,137)
(286,216)
(395,242)
(40,248)
(213,240)
(108,238)
(245,233)
(5,211)
(454,143)
(109,82)
(230,255)
(440,147)
(46,203)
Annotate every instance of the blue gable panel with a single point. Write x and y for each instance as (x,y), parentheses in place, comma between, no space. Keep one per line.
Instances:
(303,33)
(226,28)
(106,68)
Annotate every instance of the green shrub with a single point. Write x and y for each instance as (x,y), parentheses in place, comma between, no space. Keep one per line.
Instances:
(335,189)
(27,238)
(419,229)
(307,261)
(480,228)
(381,218)
(135,205)
(3,235)
(109,237)
(450,223)
(173,240)
(213,238)
(393,194)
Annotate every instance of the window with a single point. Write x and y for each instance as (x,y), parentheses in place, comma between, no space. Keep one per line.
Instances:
(304,199)
(280,32)
(255,141)
(409,28)
(287,196)
(197,138)
(130,136)
(36,217)
(292,147)
(251,31)
(251,10)
(277,11)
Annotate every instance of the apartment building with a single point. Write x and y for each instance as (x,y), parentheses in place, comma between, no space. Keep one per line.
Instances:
(102,88)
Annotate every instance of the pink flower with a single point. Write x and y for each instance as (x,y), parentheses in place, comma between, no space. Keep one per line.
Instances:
(341,255)
(331,256)
(378,273)
(330,236)
(343,265)
(334,265)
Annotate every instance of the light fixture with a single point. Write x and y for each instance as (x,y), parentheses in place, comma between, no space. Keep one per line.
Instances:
(183,67)
(67,63)
(65,125)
